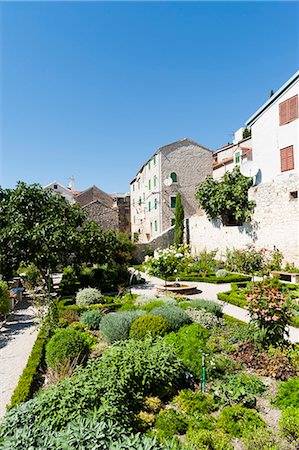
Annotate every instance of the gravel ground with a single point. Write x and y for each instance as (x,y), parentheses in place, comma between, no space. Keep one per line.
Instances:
(17,337)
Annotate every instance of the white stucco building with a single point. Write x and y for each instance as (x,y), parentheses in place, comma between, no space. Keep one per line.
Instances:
(66,191)
(275,133)
(176,167)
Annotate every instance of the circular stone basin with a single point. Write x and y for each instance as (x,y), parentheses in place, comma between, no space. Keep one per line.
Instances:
(177,288)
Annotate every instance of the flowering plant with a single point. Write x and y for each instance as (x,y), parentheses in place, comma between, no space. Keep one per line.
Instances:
(168,261)
(271,311)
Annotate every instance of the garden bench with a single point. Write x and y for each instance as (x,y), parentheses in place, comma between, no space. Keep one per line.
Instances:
(292,277)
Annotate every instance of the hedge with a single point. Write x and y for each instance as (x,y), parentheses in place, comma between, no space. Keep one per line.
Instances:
(80,309)
(211,278)
(29,379)
(233,297)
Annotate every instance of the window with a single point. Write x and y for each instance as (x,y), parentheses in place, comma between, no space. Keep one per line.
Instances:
(139,201)
(155,203)
(155,181)
(149,184)
(149,206)
(174,177)
(237,158)
(138,184)
(133,202)
(172,202)
(172,222)
(155,160)
(149,165)
(133,187)
(293,195)
(287,158)
(288,110)
(55,186)
(156,225)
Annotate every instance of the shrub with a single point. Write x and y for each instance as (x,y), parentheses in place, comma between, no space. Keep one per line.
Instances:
(78,326)
(221,273)
(209,440)
(289,424)
(288,394)
(203,318)
(194,402)
(152,404)
(31,276)
(188,342)
(92,319)
(264,440)
(143,300)
(236,420)
(167,261)
(239,388)
(144,420)
(149,325)
(69,283)
(233,297)
(4,298)
(208,305)
(174,315)
(62,323)
(66,345)
(271,311)
(113,386)
(70,316)
(116,326)
(171,422)
(219,344)
(30,377)
(248,260)
(88,296)
(219,365)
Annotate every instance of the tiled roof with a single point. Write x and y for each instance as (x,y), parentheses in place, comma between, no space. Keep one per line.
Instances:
(92,194)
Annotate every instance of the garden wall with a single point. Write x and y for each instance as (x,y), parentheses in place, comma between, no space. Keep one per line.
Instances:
(275,222)
(162,241)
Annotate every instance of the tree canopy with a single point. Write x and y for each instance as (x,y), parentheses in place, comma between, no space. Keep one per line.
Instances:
(226,199)
(179,216)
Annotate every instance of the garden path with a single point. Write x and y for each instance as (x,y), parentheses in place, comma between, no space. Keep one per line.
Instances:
(17,337)
(207,291)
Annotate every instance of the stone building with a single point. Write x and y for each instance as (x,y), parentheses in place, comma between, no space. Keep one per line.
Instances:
(176,167)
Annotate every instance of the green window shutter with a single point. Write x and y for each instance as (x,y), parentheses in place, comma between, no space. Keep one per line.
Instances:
(172,202)
(149,206)
(156,226)
(174,177)
(155,203)
(155,181)
(149,184)
(155,160)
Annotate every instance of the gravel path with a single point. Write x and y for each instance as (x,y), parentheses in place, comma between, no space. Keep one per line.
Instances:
(17,337)
(207,291)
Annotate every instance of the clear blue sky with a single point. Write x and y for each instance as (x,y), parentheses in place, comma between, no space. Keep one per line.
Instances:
(92,89)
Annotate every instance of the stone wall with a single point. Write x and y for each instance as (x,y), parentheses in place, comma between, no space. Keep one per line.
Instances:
(275,222)
(103,215)
(124,213)
(164,240)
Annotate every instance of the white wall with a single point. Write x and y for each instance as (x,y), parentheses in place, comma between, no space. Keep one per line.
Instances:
(268,137)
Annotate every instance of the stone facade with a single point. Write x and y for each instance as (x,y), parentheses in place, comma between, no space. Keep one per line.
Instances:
(124,212)
(104,215)
(275,222)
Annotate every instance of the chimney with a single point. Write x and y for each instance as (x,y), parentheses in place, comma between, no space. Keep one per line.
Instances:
(72,183)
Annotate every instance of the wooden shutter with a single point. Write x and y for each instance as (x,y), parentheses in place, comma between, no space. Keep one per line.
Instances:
(283,113)
(287,158)
(293,108)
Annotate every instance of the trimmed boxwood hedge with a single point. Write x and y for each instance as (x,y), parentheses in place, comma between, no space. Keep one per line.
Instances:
(231,277)
(233,297)
(28,381)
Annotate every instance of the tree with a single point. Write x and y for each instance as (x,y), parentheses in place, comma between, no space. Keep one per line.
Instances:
(179,217)
(226,199)
(37,227)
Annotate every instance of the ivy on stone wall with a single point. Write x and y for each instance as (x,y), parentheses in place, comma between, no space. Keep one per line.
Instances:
(226,199)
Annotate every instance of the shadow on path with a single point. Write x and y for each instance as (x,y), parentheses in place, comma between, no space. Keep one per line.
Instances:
(19,320)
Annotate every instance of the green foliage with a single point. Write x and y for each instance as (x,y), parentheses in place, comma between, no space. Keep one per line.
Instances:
(264,440)
(237,421)
(288,394)
(248,260)
(30,274)
(204,263)
(289,424)
(152,404)
(92,319)
(219,365)
(143,300)
(211,278)
(42,226)
(174,315)
(221,273)
(239,388)
(149,325)
(171,422)
(4,298)
(88,296)
(66,345)
(270,311)
(209,440)
(209,305)
(226,199)
(116,326)
(194,402)
(167,262)
(30,377)
(237,298)
(179,217)
(112,386)
(69,283)
(204,318)
(188,342)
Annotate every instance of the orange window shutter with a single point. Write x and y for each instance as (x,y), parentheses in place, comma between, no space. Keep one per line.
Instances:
(283,160)
(290,158)
(283,112)
(293,108)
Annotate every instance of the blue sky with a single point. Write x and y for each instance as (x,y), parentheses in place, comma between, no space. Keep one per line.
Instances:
(92,89)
